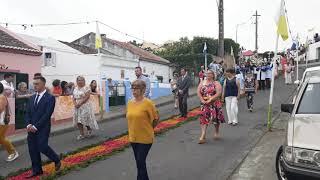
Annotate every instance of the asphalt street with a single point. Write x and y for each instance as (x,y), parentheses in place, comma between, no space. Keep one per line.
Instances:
(64,143)
(176,155)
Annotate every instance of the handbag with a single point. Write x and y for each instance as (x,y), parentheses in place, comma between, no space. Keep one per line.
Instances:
(249,90)
(289,70)
(6,119)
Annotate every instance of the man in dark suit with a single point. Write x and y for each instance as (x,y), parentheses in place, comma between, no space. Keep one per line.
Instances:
(184,83)
(38,119)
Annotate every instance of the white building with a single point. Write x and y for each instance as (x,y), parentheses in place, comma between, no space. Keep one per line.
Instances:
(313,53)
(151,64)
(65,61)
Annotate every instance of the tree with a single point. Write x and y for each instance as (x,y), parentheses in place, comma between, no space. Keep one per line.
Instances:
(134,42)
(189,53)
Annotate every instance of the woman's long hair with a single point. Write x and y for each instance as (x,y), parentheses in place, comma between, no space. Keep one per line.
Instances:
(1,88)
(64,87)
(93,89)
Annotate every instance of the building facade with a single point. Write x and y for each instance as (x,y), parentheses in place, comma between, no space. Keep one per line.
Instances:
(152,65)
(18,56)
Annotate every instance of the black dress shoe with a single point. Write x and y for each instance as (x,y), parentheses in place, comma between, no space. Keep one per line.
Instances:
(34,175)
(58,165)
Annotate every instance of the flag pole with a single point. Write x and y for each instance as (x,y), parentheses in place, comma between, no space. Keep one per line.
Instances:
(205,57)
(297,66)
(100,70)
(269,123)
(206,61)
(306,52)
(100,37)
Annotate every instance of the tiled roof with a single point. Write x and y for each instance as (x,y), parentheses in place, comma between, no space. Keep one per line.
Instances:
(9,43)
(81,48)
(143,54)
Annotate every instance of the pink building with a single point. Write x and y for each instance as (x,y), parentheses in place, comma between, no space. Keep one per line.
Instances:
(18,56)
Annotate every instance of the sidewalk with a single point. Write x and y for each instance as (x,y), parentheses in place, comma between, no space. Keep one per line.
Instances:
(115,113)
(260,162)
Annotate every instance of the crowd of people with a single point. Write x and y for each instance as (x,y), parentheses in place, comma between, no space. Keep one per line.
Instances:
(142,116)
(217,85)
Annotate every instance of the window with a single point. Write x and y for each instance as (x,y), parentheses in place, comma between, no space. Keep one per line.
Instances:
(311,73)
(309,104)
(160,79)
(122,74)
(49,59)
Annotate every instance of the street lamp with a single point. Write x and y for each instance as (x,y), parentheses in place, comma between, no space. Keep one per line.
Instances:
(237,31)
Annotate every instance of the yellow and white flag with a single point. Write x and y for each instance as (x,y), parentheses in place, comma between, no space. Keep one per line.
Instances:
(98,38)
(281,21)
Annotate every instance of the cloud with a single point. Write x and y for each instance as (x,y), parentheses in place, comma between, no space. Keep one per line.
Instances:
(159,20)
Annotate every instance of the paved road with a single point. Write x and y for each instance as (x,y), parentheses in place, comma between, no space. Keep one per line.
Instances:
(67,142)
(176,155)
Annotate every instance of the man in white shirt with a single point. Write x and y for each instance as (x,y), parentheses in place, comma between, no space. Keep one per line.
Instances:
(261,77)
(214,66)
(8,85)
(138,72)
(269,75)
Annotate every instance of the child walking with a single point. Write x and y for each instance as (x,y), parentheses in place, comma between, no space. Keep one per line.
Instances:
(251,86)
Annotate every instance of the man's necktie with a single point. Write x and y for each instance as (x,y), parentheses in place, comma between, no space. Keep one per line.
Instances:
(36,101)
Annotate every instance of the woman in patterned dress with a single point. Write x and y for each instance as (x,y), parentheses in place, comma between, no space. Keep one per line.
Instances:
(209,92)
(83,111)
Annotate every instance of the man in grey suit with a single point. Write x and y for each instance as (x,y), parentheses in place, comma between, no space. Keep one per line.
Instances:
(184,83)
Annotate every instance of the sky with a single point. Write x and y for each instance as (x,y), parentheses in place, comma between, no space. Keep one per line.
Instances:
(158,21)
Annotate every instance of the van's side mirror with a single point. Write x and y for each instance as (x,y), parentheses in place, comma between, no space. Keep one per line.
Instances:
(297,82)
(288,108)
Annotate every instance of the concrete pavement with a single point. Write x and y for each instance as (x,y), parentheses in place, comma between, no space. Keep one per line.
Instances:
(260,163)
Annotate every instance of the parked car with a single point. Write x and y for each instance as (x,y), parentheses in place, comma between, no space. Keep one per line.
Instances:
(308,73)
(299,156)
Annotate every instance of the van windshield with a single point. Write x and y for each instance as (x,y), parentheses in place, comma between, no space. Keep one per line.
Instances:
(310,100)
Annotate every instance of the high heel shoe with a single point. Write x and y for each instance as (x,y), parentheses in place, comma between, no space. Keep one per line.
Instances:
(202,141)
(216,137)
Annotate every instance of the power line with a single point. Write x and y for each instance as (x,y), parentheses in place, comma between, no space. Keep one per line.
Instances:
(48,24)
(26,25)
(119,31)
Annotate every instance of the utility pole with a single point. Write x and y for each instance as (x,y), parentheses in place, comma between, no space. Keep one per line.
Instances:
(221,29)
(256,15)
